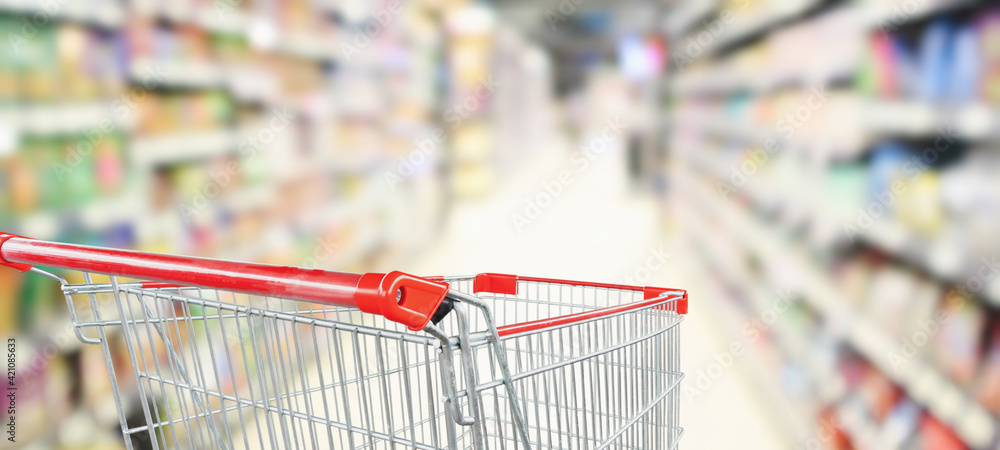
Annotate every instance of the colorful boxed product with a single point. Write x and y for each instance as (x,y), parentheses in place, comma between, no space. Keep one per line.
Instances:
(956,343)
(988,385)
(989,34)
(936,57)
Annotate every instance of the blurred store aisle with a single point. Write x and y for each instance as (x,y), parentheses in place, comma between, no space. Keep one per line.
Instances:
(597,229)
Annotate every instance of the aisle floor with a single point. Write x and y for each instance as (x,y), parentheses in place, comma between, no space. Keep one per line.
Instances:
(598,230)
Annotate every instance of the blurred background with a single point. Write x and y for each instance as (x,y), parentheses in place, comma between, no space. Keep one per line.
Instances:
(821,175)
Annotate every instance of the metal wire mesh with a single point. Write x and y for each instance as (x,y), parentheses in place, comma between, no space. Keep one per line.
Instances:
(213,369)
(610,382)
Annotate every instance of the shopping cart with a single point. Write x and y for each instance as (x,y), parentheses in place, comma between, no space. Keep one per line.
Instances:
(236,355)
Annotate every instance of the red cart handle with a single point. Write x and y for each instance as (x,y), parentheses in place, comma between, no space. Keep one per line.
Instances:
(399,297)
(497,283)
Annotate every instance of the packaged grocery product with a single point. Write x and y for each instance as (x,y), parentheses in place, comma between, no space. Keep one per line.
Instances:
(956,339)
(988,27)
(988,384)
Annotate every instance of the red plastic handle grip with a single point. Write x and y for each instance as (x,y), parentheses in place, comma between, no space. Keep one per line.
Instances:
(399,297)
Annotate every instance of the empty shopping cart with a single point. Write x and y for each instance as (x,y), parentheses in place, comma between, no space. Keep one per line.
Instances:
(214,354)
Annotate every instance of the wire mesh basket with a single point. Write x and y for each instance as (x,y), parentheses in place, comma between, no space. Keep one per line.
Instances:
(235,355)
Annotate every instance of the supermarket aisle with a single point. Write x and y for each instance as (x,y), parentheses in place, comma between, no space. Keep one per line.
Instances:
(596,214)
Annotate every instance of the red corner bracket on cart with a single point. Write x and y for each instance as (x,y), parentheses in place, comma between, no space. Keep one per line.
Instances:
(401,298)
(496,283)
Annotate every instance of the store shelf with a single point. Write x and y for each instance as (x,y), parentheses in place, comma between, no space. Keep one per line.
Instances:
(877,119)
(720,126)
(945,258)
(784,411)
(859,427)
(830,388)
(307,46)
(889,16)
(95,216)
(64,118)
(108,14)
(688,14)
(720,80)
(745,27)
(921,119)
(107,212)
(176,74)
(222,21)
(172,148)
(923,382)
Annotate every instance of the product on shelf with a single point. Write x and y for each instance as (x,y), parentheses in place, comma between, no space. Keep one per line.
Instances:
(920,208)
(38,67)
(950,61)
(9,301)
(966,69)
(937,53)
(989,33)
(176,113)
(934,435)
(901,424)
(109,164)
(879,75)
(972,202)
(988,383)
(855,275)
(888,161)
(9,77)
(6,190)
(894,297)
(879,394)
(956,344)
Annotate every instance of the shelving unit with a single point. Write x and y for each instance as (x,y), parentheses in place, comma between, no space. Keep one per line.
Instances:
(922,381)
(184,87)
(780,193)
